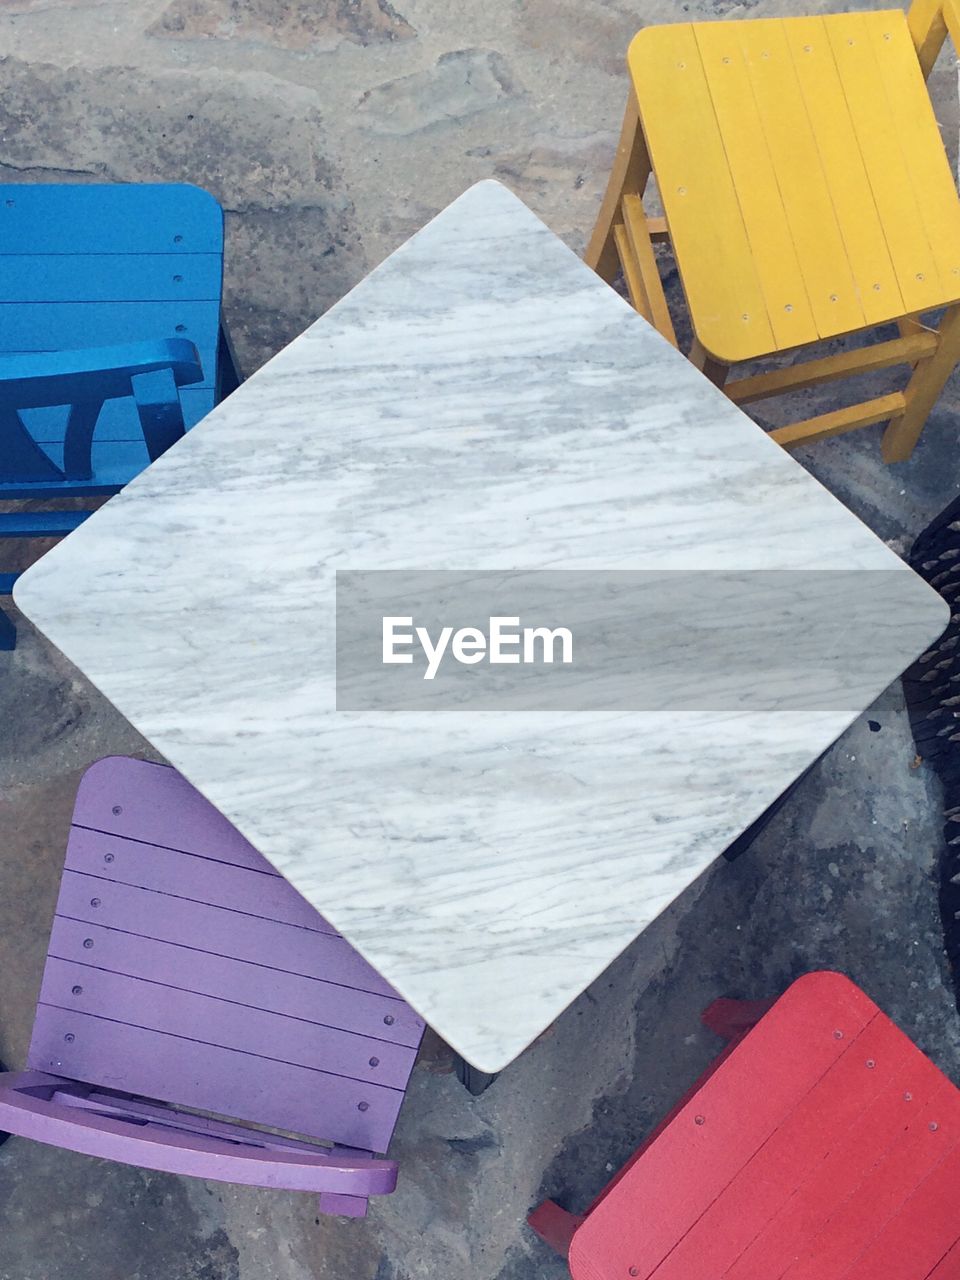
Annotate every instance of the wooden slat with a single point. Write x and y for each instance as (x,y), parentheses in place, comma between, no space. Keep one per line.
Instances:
(710,241)
(919,140)
(861,1183)
(846,1097)
(914,1241)
(728,76)
(314,999)
(110,218)
(847,181)
(114,464)
(658,229)
(631,273)
(227,933)
(260,1033)
(56,326)
(890,180)
(743,1104)
(796,161)
(638,236)
(157,805)
(948,1268)
(118,419)
(811,373)
(110,277)
(132,1060)
(186,875)
(836,423)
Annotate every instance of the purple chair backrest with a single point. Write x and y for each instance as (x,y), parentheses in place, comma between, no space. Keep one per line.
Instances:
(182,968)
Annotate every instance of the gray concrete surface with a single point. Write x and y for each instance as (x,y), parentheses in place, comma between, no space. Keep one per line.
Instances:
(331,129)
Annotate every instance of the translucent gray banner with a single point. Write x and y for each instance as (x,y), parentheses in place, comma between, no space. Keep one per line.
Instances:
(575,640)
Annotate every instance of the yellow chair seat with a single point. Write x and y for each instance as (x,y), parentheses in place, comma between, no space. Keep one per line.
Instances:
(805,185)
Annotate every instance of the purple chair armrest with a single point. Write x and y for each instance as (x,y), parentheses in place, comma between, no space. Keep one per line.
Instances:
(27,1109)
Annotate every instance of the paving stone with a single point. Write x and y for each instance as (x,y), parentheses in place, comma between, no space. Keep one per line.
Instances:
(460,84)
(300,25)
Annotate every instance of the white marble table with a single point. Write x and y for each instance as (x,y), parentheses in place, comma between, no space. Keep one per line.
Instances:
(481,401)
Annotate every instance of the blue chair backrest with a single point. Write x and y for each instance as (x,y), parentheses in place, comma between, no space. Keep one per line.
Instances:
(98,265)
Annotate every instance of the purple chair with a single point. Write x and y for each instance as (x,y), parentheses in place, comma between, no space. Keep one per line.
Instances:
(185,976)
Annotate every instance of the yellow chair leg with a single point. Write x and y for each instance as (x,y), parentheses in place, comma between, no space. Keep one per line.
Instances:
(710,368)
(631,169)
(923,390)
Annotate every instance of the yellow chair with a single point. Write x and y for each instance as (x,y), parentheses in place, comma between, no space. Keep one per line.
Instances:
(807,195)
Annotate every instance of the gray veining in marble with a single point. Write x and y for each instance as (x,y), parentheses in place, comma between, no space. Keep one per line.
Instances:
(481,401)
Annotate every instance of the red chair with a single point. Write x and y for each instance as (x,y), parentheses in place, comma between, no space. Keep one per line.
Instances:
(820,1145)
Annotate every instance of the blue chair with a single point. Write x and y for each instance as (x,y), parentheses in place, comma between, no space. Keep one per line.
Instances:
(111,341)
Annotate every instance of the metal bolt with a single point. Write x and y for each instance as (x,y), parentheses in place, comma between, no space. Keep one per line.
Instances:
(700,1120)
(919,275)
(94,902)
(808,48)
(870,1064)
(77,991)
(178,279)
(744,316)
(634,1271)
(374,1062)
(69,1037)
(726,59)
(88,943)
(681,191)
(181,328)
(108,857)
(11,203)
(908,1096)
(363,1106)
(117,810)
(788,307)
(682,65)
(834,298)
(886,35)
(177,239)
(934,1126)
(838,1035)
(877,288)
(389,1020)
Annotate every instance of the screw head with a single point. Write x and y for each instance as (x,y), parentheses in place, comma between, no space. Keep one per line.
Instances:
(700,1120)
(934,1126)
(88,943)
(181,328)
(389,1020)
(108,857)
(870,1064)
(374,1062)
(838,1035)
(363,1106)
(77,991)
(178,279)
(117,810)
(634,1271)
(69,1037)
(177,239)
(908,1096)
(94,902)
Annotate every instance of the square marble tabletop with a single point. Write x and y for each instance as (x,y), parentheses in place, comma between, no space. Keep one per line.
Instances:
(480,402)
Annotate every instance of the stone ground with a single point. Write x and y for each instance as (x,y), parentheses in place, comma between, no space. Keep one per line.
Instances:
(330,130)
